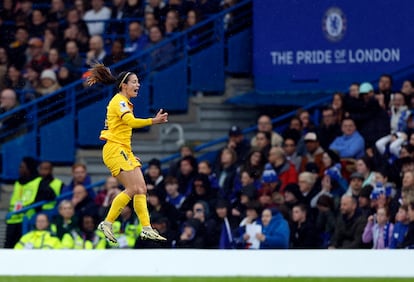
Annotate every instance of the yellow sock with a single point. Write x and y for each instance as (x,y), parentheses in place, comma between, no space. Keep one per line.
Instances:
(140,207)
(118,204)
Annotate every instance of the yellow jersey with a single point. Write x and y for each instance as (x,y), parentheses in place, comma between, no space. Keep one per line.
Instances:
(120,121)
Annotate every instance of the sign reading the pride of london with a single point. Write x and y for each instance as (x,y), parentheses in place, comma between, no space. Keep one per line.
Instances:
(328,44)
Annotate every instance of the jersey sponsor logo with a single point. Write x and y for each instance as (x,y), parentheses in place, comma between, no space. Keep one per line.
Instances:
(123,107)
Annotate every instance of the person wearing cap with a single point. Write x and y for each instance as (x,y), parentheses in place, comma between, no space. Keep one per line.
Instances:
(355,184)
(371,120)
(313,152)
(48,82)
(238,143)
(351,144)
(264,123)
(284,169)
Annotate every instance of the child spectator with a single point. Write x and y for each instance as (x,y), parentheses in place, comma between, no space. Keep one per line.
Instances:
(173,196)
(400,227)
(379,229)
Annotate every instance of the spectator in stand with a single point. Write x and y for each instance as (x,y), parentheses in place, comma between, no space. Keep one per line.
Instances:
(307,187)
(82,202)
(254,164)
(370,119)
(117,53)
(54,59)
(194,16)
(253,211)
(247,194)
(9,102)
(8,10)
(204,167)
(385,93)
(162,55)
(379,229)
(350,144)
(37,23)
(161,224)
(391,143)
(137,39)
(303,234)
(40,239)
(329,127)
(149,21)
(192,235)
(96,49)
(65,221)
(201,191)
(14,78)
(37,57)
(275,230)
(333,169)
(50,40)
(157,203)
(106,195)
(154,177)
(23,12)
(157,8)
(95,17)
(307,124)
(226,173)
(364,201)
(4,62)
(292,196)
(172,23)
(338,107)
(17,48)
(32,83)
(134,9)
(48,82)
(118,10)
(289,147)
(49,180)
(349,226)
(86,237)
(313,153)
(284,169)
(185,150)
(264,124)
(325,220)
(407,89)
(207,7)
(79,176)
(400,227)
(355,184)
(73,63)
(365,167)
(263,142)
(238,143)
(75,29)
(173,196)
(186,174)
(26,192)
(57,11)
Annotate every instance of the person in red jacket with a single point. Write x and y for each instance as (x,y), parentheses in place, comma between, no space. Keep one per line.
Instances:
(285,170)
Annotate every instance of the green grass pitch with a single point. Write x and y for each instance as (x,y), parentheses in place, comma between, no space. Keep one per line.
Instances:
(191,279)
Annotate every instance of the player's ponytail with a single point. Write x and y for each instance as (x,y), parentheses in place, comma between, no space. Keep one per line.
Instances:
(100,73)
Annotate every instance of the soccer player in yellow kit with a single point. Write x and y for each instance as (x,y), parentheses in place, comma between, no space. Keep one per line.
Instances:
(117,154)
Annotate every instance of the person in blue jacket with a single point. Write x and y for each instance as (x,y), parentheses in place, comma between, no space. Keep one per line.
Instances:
(275,230)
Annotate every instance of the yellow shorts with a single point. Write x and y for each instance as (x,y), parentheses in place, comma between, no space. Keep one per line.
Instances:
(118,157)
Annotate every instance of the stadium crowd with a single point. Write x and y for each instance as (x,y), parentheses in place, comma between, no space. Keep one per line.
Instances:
(344,181)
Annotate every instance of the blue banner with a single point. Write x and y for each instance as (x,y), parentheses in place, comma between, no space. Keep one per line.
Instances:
(321,44)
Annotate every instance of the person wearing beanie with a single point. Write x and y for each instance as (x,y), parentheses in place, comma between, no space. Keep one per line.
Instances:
(48,82)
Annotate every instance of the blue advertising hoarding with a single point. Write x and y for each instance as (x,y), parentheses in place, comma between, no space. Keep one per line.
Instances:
(302,45)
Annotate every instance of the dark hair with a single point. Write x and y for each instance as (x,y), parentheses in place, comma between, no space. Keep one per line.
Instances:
(100,73)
